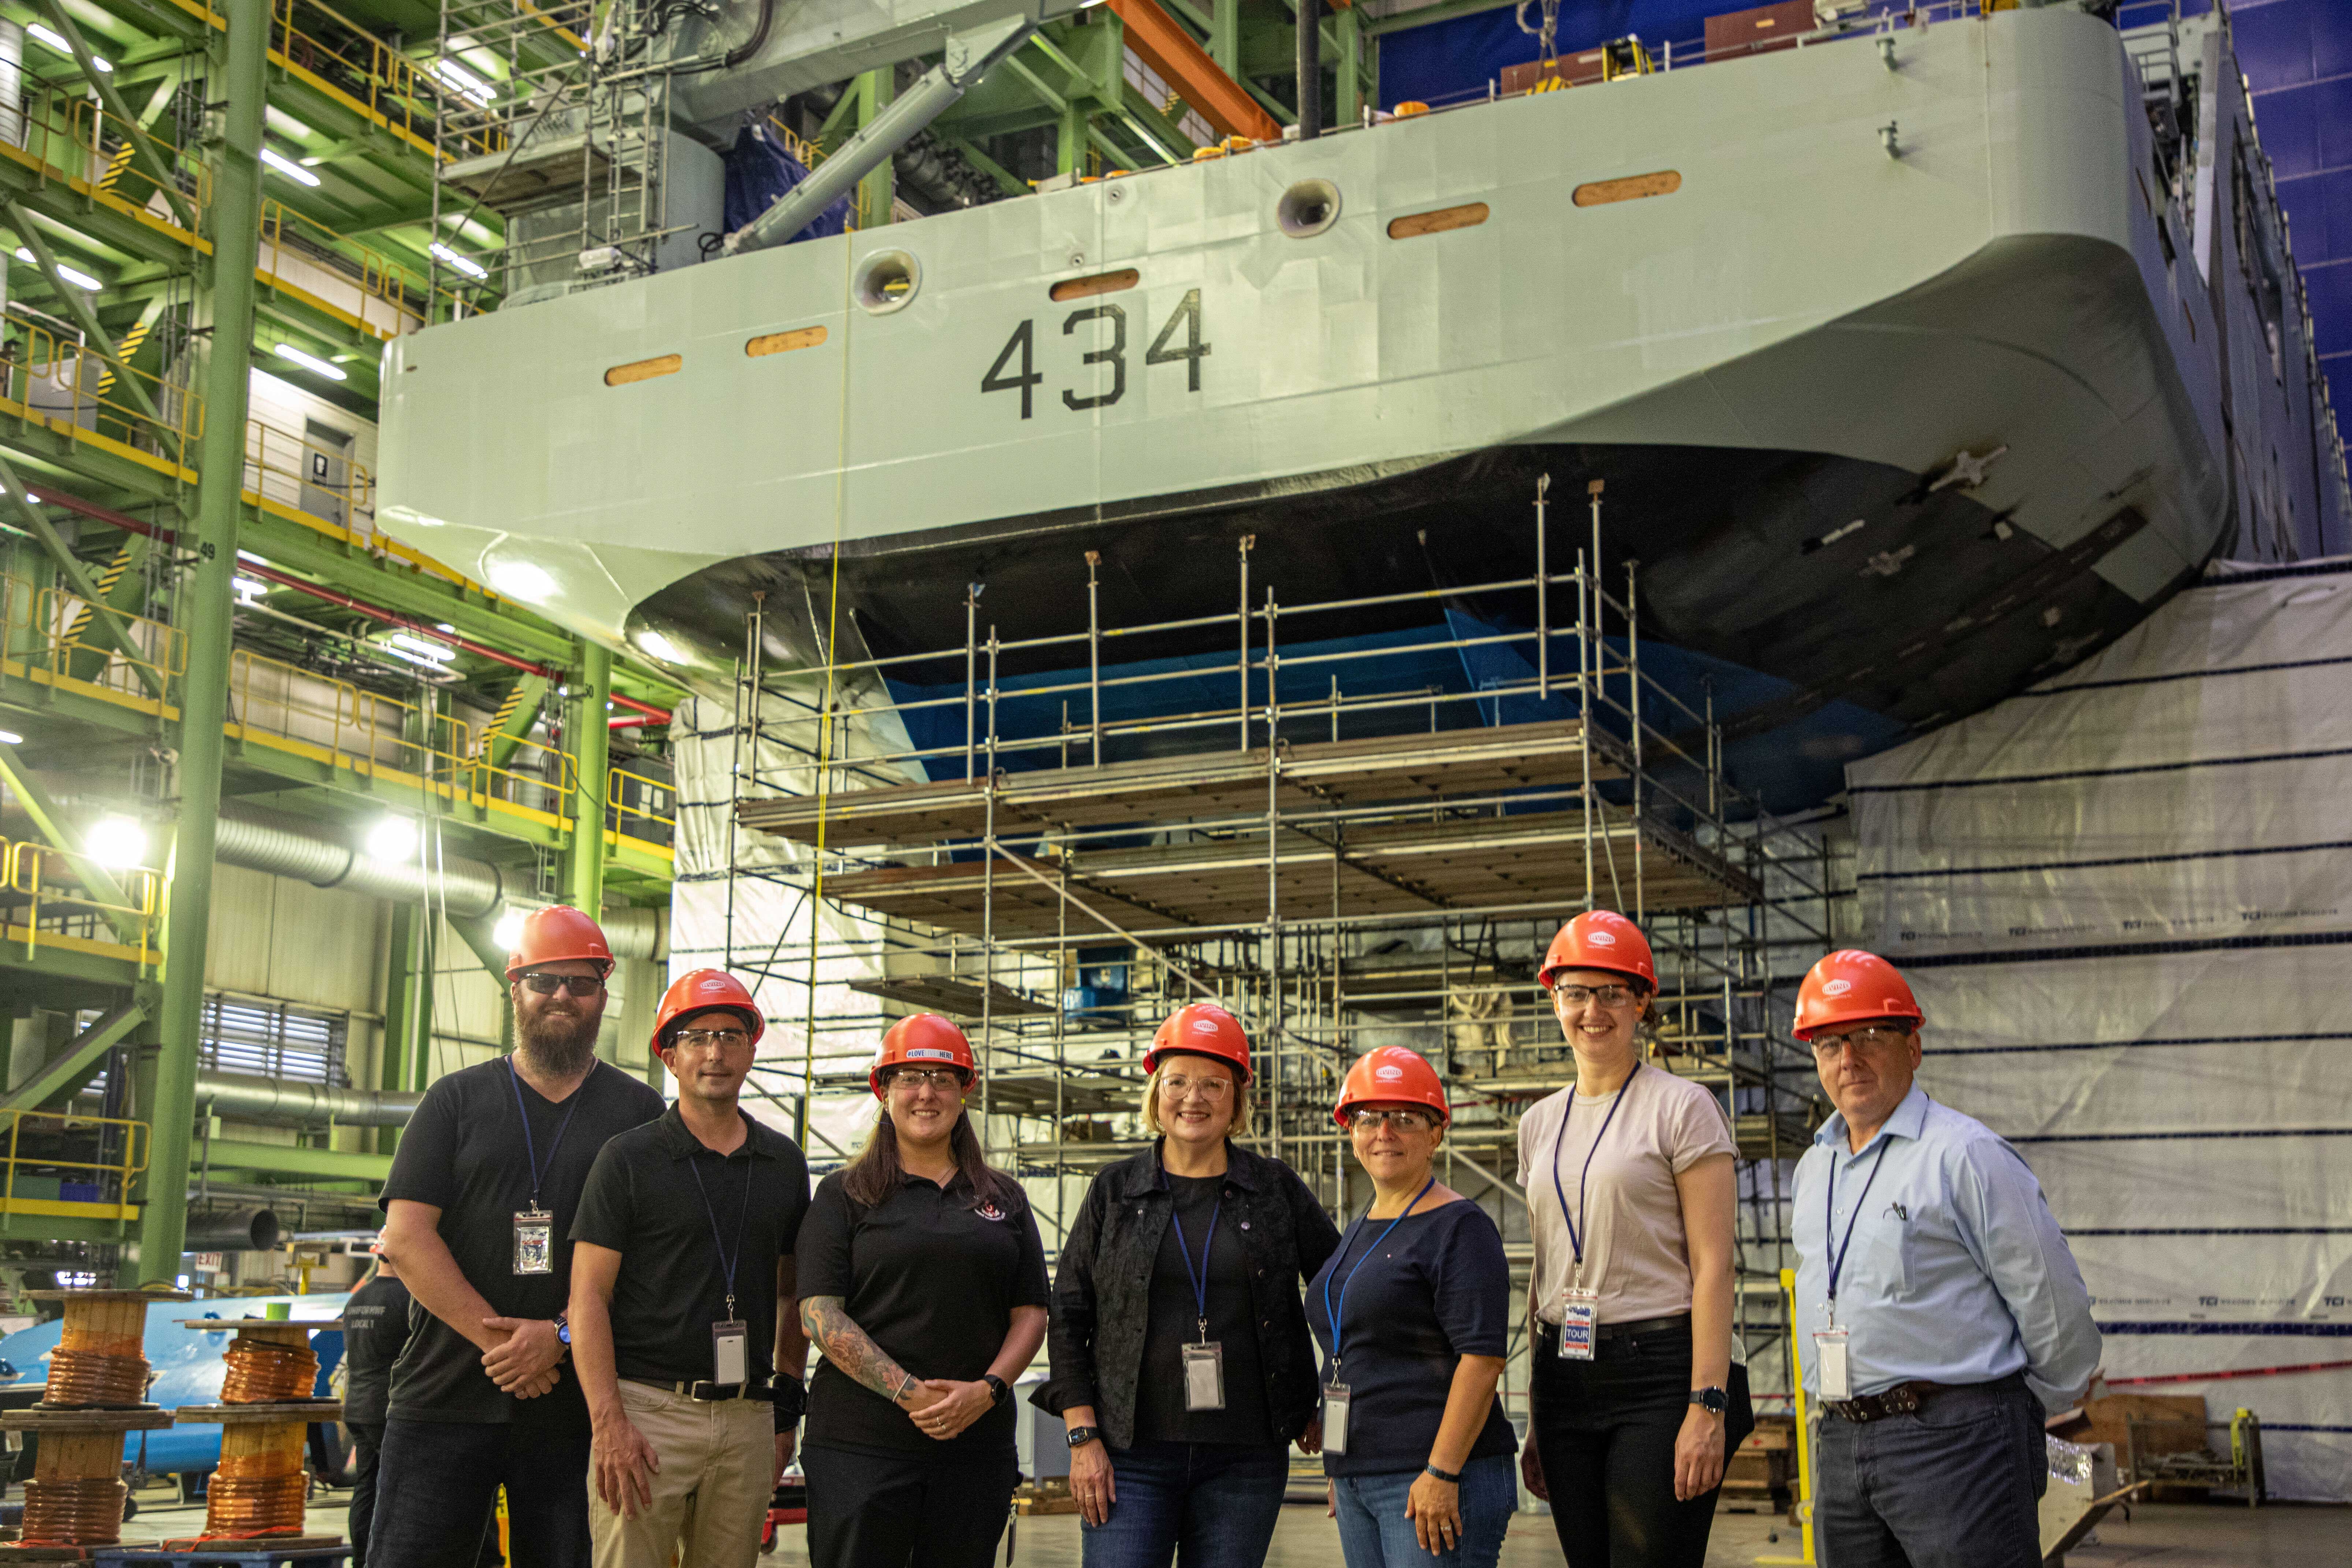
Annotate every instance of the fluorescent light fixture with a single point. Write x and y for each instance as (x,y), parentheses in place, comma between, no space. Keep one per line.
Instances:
(288,167)
(42,35)
(311,363)
(508,931)
(10,737)
(393,840)
(444,627)
(424,649)
(521,580)
(465,81)
(78,279)
(659,646)
(464,264)
(250,587)
(117,842)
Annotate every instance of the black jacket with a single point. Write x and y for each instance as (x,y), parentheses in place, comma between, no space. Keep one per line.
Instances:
(1102,1291)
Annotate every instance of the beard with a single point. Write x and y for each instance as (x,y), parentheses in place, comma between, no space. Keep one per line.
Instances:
(561,1043)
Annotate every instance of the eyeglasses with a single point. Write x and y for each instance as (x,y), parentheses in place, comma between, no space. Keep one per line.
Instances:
(711,1039)
(915,1078)
(1403,1121)
(1874,1038)
(1177,1088)
(1607,995)
(549,984)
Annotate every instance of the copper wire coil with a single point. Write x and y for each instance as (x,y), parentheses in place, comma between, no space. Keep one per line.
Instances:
(256,1505)
(84,1511)
(82,1378)
(260,1373)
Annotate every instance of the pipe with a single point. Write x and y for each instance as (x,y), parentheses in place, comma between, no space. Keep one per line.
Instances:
(1310,69)
(233,1230)
(968,58)
(290,1102)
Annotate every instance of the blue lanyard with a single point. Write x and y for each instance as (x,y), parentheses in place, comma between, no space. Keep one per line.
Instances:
(1200,1281)
(725,1264)
(1331,1315)
(538,1171)
(1575,1222)
(1829,1216)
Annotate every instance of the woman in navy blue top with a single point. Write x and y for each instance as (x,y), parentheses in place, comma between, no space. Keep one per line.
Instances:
(1413,1316)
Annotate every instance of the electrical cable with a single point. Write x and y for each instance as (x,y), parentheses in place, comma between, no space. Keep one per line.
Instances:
(82,1379)
(86,1511)
(260,1373)
(245,1505)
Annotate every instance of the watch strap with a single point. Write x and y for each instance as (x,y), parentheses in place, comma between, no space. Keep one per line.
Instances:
(1451,1477)
(999,1390)
(1080,1436)
(1715,1401)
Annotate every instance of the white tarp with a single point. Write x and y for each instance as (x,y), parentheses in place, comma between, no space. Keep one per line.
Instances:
(2125,898)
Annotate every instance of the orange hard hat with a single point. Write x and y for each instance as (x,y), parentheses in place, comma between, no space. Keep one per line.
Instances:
(703,991)
(557,934)
(1850,985)
(1202,1029)
(1603,940)
(924,1038)
(1392,1073)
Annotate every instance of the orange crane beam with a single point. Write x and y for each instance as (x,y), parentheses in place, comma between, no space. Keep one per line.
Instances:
(1161,42)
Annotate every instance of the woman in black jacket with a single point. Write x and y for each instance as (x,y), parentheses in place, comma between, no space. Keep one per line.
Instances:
(1182,1365)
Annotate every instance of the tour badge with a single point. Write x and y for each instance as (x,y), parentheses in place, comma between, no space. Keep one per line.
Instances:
(988,1211)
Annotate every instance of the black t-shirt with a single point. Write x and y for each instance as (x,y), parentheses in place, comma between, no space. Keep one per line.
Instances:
(932,1278)
(375,1326)
(465,1154)
(643,1202)
(1160,1415)
(1436,1289)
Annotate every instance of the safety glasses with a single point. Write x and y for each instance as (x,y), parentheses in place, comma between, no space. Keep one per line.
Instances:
(543,985)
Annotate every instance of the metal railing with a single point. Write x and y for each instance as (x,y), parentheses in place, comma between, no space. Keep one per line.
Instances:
(52,629)
(296,461)
(64,380)
(45,899)
(639,807)
(389,298)
(121,1144)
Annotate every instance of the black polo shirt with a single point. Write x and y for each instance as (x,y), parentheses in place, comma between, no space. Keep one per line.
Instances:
(643,1202)
(932,1277)
(464,1153)
(376,1328)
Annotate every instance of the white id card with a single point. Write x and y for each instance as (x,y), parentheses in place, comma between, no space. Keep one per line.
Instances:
(1829,1369)
(1204,1376)
(534,1243)
(1335,1417)
(730,1357)
(1580,1313)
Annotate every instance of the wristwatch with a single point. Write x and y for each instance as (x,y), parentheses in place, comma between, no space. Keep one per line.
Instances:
(1713,1401)
(998,1390)
(1082,1436)
(563,1327)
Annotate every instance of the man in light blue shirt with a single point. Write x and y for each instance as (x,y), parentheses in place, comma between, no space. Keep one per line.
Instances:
(1939,1308)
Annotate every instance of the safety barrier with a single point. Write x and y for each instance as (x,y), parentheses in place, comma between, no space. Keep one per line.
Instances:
(49,902)
(45,1175)
(68,384)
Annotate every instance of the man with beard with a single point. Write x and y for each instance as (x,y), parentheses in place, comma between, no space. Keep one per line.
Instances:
(479,1207)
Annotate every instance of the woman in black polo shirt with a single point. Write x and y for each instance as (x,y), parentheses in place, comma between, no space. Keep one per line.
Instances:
(1177,1324)
(923,1281)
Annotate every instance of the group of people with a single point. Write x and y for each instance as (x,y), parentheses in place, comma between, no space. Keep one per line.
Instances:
(614,1301)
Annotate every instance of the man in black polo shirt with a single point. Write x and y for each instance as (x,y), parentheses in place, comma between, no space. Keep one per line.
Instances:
(376,1328)
(479,1205)
(681,1286)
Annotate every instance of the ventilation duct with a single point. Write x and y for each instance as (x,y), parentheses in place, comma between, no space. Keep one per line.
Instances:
(292,1102)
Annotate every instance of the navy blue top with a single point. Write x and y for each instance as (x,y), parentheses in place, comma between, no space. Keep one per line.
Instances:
(1437,1289)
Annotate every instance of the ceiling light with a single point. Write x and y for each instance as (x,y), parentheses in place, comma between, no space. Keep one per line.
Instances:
(521,580)
(393,840)
(464,81)
(10,737)
(117,842)
(311,361)
(423,648)
(658,645)
(250,587)
(42,35)
(78,279)
(442,627)
(288,167)
(464,264)
(508,933)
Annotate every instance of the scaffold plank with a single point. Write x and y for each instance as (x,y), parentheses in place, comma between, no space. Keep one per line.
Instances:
(953,995)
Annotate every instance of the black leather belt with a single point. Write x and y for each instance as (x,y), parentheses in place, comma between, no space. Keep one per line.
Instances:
(1637,1327)
(707,1393)
(1906,1397)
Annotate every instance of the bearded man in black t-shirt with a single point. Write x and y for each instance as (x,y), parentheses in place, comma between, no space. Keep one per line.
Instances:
(479,1207)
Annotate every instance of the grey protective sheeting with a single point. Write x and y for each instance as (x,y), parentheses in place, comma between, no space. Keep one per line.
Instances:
(2125,898)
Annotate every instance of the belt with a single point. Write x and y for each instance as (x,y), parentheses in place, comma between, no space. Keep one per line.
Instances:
(706,1392)
(1906,1397)
(1638,1326)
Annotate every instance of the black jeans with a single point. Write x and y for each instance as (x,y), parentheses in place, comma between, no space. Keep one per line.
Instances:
(871,1509)
(1605,1431)
(1955,1484)
(438,1489)
(367,1445)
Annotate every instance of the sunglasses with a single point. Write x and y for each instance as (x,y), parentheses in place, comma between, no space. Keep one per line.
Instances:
(549,984)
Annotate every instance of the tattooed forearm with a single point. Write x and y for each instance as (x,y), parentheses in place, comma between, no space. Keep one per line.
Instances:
(845,1345)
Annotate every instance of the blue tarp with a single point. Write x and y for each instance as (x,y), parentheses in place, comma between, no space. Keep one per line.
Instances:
(758,171)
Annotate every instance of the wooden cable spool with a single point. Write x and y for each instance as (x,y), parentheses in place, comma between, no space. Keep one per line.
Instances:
(260,1487)
(263,1372)
(100,1360)
(96,1383)
(265,1411)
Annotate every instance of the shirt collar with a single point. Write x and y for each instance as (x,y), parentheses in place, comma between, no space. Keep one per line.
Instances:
(681,1143)
(1910,1118)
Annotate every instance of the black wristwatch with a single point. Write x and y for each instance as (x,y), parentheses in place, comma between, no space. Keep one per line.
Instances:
(1451,1477)
(1082,1436)
(998,1390)
(1713,1401)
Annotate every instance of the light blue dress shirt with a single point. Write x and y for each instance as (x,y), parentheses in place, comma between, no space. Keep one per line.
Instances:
(1956,1272)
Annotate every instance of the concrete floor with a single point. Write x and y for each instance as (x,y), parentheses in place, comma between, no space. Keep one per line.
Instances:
(2162,1536)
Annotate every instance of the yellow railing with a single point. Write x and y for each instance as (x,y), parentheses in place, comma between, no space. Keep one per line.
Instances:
(387,296)
(271,453)
(101,145)
(52,629)
(41,875)
(112,1177)
(640,807)
(69,382)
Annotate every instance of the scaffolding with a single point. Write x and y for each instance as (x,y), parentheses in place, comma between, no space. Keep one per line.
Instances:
(1373,866)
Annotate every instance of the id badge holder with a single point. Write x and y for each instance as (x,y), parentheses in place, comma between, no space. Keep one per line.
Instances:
(1580,1320)
(534,1243)
(1335,1417)
(1204,1375)
(1831,1370)
(730,1356)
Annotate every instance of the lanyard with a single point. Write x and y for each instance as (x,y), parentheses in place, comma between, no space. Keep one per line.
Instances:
(1575,1222)
(538,1171)
(725,1264)
(1829,1218)
(1199,1282)
(1330,1314)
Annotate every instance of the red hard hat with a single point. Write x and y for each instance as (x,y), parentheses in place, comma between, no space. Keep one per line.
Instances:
(1392,1073)
(556,935)
(923,1038)
(1603,940)
(1849,986)
(1202,1029)
(702,991)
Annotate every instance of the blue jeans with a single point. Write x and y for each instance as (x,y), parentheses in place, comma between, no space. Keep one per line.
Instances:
(1955,1484)
(1375,1533)
(1206,1505)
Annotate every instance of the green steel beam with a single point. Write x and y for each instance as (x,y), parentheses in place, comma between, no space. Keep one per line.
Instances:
(272,1159)
(590,743)
(53,825)
(110,625)
(208,599)
(15,1227)
(878,192)
(142,148)
(48,962)
(1225,36)
(989,167)
(1445,11)
(78,1061)
(77,303)
(515,718)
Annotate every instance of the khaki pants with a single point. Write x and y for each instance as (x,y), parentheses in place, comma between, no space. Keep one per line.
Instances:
(711,1495)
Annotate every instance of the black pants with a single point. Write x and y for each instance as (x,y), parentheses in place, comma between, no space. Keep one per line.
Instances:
(872,1509)
(1605,1430)
(1955,1484)
(367,1447)
(438,1489)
